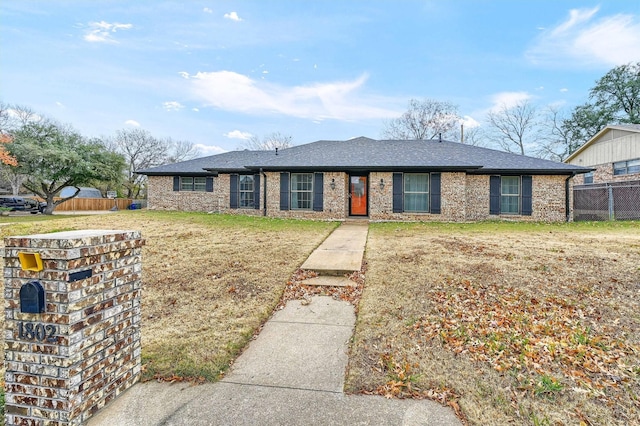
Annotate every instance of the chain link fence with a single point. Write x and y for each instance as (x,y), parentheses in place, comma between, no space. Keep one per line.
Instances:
(607,201)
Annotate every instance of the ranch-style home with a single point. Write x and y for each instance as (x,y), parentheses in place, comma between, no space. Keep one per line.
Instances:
(418,180)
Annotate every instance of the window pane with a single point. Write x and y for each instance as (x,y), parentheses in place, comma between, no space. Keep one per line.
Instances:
(200,184)
(186,184)
(416,192)
(301,191)
(416,182)
(246,191)
(510,185)
(415,202)
(620,168)
(633,166)
(588,178)
(300,200)
(510,204)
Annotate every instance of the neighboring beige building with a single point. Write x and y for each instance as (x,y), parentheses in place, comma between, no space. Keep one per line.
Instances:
(614,153)
(424,180)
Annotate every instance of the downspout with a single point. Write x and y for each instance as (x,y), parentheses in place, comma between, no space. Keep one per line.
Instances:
(567,207)
(264,192)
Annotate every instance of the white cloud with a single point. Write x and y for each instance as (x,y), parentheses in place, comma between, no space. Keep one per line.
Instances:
(233,16)
(339,100)
(237,134)
(60,104)
(207,10)
(469,122)
(585,39)
(133,123)
(508,100)
(195,109)
(172,106)
(183,74)
(210,149)
(564,89)
(102,32)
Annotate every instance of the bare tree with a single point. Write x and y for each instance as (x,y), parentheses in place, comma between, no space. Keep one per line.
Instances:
(269,142)
(516,127)
(557,140)
(140,151)
(181,150)
(475,136)
(426,119)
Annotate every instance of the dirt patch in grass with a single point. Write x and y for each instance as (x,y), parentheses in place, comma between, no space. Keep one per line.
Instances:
(209,281)
(508,324)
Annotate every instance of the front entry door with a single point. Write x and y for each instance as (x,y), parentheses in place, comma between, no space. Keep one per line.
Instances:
(358,196)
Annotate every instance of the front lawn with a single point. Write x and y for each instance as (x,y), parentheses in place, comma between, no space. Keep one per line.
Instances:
(508,323)
(209,281)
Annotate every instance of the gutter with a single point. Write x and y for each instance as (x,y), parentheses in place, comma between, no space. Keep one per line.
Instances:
(264,192)
(567,207)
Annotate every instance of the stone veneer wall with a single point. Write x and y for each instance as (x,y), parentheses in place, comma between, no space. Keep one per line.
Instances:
(335,201)
(548,199)
(84,350)
(452,208)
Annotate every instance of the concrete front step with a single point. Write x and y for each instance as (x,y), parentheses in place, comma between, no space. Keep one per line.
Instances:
(329,281)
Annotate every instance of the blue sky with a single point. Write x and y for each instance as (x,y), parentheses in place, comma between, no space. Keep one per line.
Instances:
(216,72)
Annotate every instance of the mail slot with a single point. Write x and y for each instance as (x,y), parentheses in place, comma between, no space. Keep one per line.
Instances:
(32,299)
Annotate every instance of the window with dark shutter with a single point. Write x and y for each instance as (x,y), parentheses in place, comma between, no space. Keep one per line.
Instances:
(527,195)
(397,193)
(209,184)
(233,191)
(494,195)
(318,180)
(284,191)
(176,183)
(256,191)
(435,193)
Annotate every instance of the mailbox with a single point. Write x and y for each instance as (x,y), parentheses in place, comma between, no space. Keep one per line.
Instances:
(32,300)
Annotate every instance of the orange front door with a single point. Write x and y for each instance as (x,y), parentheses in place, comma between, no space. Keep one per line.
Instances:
(358,195)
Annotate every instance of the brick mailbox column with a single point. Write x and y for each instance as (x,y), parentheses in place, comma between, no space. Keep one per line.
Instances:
(67,357)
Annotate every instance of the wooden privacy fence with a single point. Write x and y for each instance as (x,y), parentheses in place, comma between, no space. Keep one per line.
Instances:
(76,204)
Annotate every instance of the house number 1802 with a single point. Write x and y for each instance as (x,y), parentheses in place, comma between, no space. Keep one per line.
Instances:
(37,331)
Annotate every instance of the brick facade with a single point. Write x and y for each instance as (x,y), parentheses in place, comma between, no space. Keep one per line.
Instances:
(604,174)
(84,350)
(463,198)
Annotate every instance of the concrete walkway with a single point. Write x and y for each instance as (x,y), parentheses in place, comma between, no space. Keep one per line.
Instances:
(291,374)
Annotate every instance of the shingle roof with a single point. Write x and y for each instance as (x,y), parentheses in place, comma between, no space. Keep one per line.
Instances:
(233,161)
(370,154)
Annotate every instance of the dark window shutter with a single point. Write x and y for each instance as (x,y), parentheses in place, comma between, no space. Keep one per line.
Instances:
(256,192)
(434,194)
(233,191)
(318,189)
(209,184)
(176,183)
(494,195)
(527,195)
(284,191)
(398,192)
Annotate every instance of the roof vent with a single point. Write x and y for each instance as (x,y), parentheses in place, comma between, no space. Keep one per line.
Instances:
(439,137)
(276,150)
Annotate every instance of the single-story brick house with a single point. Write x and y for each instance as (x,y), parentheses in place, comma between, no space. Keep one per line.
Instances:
(420,180)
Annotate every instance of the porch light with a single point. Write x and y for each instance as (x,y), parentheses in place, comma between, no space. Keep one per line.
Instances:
(381,183)
(333,183)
